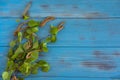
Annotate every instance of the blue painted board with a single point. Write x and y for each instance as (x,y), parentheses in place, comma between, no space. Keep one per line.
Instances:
(88,47)
(77,62)
(62,8)
(77,32)
(64,78)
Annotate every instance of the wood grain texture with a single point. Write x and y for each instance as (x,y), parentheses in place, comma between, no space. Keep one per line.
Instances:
(61,78)
(63,8)
(77,32)
(77,62)
(87,49)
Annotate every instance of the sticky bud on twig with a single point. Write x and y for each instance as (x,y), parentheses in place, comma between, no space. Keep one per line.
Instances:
(60,26)
(49,18)
(28,55)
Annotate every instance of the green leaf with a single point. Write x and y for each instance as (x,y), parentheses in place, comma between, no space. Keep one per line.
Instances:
(10,65)
(45,67)
(18,51)
(34,56)
(33,38)
(33,23)
(27,45)
(28,36)
(25,68)
(20,78)
(53,38)
(5,75)
(20,56)
(44,44)
(53,30)
(34,68)
(35,44)
(34,29)
(10,53)
(19,36)
(41,63)
(25,17)
(48,39)
(45,49)
(29,31)
(13,43)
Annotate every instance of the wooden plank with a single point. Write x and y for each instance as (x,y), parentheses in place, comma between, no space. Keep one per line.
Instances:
(77,32)
(77,62)
(63,78)
(62,8)
(60,78)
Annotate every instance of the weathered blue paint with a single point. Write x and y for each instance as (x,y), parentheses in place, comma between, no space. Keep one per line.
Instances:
(62,8)
(87,49)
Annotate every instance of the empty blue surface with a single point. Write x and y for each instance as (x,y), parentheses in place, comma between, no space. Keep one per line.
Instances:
(87,49)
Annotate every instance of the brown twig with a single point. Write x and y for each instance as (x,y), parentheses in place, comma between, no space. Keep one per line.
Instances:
(14,78)
(36,36)
(28,55)
(49,18)
(26,9)
(19,28)
(60,26)
(29,44)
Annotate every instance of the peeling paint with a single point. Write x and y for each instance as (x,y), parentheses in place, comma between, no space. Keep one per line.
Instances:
(75,7)
(65,63)
(98,65)
(82,38)
(116,54)
(91,15)
(93,38)
(44,6)
(101,55)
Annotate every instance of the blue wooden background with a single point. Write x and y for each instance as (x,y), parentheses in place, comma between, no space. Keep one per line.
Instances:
(87,49)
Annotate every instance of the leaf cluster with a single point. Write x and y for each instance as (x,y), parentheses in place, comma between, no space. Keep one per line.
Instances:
(25,48)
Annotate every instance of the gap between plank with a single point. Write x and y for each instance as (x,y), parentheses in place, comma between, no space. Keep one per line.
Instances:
(64,18)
